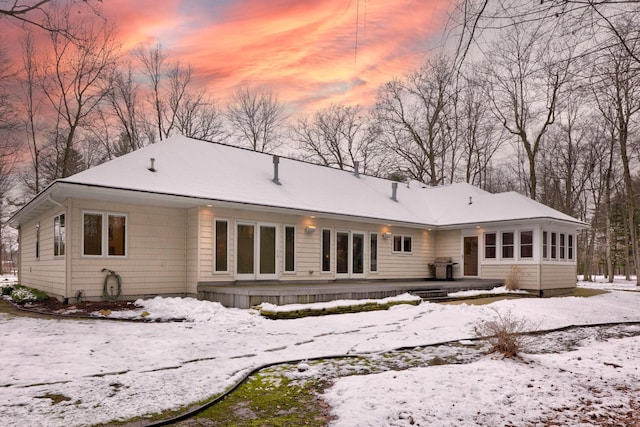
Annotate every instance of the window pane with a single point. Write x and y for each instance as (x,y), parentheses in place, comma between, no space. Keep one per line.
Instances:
(490,245)
(407,244)
(37,241)
(374,252)
(289,249)
(92,234)
(245,243)
(267,249)
(326,250)
(342,252)
(507,245)
(526,244)
(117,233)
(554,241)
(570,246)
(397,243)
(357,263)
(544,245)
(562,246)
(221,245)
(58,235)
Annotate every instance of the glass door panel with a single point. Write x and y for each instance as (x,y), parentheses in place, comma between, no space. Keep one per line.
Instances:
(267,251)
(342,253)
(357,262)
(245,259)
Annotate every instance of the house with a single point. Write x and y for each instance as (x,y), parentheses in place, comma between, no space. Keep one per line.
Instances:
(183,216)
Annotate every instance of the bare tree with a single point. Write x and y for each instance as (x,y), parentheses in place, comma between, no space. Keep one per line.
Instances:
(256,117)
(618,99)
(414,117)
(153,61)
(199,116)
(36,13)
(71,78)
(524,81)
(338,136)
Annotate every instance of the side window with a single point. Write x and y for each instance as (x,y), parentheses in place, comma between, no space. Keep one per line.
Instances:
(402,244)
(526,244)
(59,235)
(507,244)
(554,245)
(104,234)
(222,245)
(570,246)
(562,245)
(326,250)
(490,245)
(373,252)
(289,248)
(38,241)
(545,249)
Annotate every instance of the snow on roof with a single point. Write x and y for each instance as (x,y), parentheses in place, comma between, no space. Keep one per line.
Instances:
(217,172)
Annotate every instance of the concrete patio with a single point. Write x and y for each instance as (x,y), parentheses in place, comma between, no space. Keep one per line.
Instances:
(246,295)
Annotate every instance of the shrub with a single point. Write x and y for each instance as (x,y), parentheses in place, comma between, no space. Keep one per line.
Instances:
(512,281)
(7,289)
(22,295)
(505,334)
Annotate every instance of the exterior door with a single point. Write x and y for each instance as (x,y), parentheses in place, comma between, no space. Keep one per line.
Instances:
(256,249)
(471,256)
(350,254)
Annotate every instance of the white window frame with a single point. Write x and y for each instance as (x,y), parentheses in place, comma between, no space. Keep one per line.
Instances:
(495,246)
(403,238)
(513,244)
(60,239)
(215,242)
(105,234)
(528,258)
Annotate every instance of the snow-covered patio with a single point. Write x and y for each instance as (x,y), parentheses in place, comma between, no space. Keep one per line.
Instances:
(118,370)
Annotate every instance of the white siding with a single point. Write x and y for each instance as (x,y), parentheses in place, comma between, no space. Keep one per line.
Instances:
(46,273)
(156,257)
(449,244)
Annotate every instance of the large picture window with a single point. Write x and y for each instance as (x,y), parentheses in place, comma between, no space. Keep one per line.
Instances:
(59,234)
(104,234)
(222,245)
(490,245)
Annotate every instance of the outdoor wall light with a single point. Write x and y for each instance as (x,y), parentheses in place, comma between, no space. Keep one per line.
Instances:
(310,229)
(386,235)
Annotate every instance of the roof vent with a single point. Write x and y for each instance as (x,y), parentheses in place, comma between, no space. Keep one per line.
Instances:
(470,200)
(152,161)
(356,169)
(276,161)
(394,191)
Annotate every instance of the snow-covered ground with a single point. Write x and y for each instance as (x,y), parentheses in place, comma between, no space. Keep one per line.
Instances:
(106,370)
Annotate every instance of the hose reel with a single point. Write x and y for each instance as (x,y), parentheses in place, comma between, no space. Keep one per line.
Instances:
(112,288)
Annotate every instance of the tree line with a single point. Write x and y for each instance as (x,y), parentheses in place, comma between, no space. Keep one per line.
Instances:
(540,98)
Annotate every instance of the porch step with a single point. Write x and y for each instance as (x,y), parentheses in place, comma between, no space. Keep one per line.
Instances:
(430,294)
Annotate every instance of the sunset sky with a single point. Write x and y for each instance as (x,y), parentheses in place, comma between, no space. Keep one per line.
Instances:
(305,51)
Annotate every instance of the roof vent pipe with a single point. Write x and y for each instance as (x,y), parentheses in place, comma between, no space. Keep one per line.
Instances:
(151,168)
(356,169)
(470,200)
(276,161)
(394,191)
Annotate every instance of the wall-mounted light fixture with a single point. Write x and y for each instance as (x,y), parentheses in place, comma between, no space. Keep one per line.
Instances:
(386,235)
(310,229)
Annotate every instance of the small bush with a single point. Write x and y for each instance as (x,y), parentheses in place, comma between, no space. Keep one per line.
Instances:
(23,295)
(505,334)
(512,281)
(7,289)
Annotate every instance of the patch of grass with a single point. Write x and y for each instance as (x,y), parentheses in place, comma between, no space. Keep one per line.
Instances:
(586,292)
(55,398)
(270,399)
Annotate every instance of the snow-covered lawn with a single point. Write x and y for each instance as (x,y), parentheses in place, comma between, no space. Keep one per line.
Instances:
(105,370)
